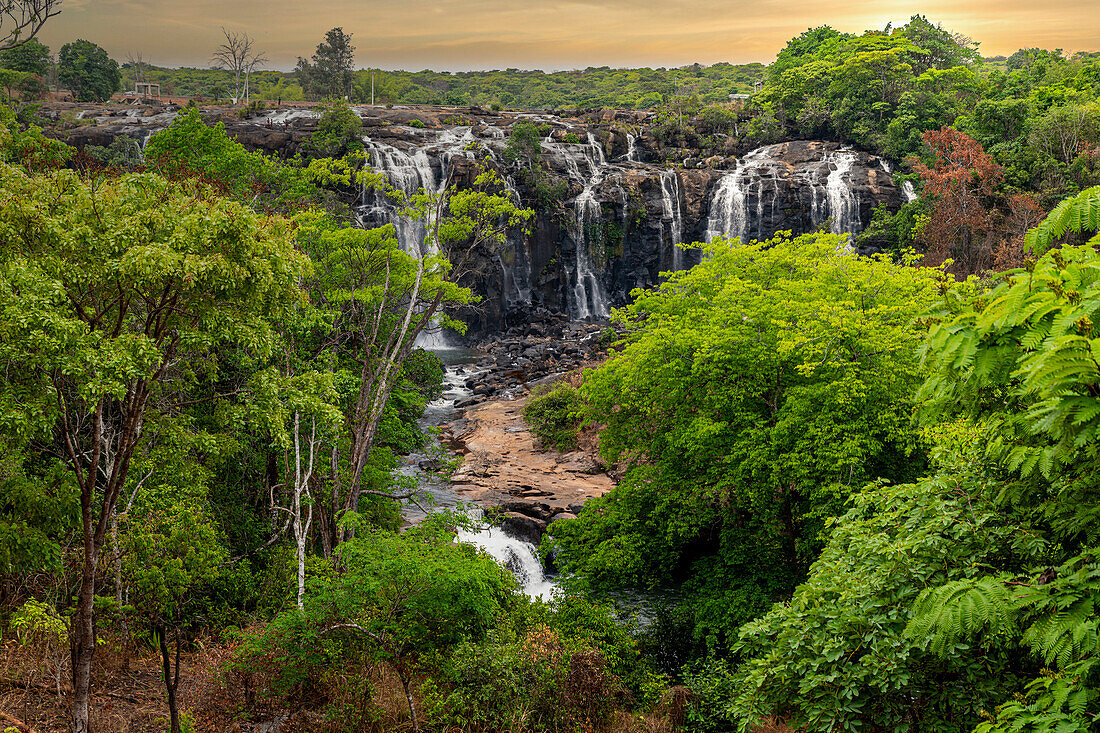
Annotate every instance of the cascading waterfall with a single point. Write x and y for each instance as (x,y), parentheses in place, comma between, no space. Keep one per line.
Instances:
(759,178)
(672,214)
(907,189)
(728,215)
(412,173)
(586,295)
(589,300)
(843,202)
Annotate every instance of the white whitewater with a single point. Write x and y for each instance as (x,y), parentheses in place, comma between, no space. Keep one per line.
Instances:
(728,214)
(587,296)
(672,216)
(830,192)
(843,202)
(516,555)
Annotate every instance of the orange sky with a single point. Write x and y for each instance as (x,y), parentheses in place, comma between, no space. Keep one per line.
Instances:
(545,34)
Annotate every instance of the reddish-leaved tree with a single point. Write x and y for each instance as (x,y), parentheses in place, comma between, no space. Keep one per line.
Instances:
(960,184)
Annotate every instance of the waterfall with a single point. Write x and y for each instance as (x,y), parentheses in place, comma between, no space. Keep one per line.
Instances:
(673,215)
(908,190)
(843,202)
(631,148)
(826,187)
(588,298)
(516,555)
(728,209)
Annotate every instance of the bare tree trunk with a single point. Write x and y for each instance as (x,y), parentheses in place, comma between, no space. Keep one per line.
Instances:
(409,698)
(301,488)
(171,681)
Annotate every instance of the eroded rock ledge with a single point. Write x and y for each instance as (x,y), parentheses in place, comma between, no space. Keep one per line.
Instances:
(505,469)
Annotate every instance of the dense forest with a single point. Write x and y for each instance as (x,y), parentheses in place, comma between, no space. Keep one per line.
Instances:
(859,493)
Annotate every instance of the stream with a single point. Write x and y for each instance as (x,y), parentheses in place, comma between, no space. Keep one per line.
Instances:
(516,555)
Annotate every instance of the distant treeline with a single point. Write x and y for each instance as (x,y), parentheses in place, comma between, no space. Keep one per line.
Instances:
(510,88)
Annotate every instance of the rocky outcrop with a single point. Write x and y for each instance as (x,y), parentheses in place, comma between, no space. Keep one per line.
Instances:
(612,206)
(521,486)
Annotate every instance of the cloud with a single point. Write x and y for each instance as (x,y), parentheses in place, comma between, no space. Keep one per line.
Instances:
(458,34)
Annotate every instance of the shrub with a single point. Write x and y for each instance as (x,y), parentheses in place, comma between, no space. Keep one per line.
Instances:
(418,124)
(338,131)
(555,416)
(425,370)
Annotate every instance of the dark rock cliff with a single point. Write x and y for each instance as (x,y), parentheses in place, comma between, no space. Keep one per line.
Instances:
(616,216)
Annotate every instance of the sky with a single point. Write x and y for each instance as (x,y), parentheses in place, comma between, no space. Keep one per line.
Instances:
(460,35)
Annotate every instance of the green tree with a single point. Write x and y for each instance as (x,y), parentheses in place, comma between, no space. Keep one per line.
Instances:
(750,397)
(331,73)
(397,599)
(111,295)
(31,57)
(171,551)
(836,657)
(86,70)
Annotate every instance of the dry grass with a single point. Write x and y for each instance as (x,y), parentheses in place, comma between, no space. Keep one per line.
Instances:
(773,725)
(126,697)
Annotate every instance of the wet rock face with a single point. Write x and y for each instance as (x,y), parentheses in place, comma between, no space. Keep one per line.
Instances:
(615,216)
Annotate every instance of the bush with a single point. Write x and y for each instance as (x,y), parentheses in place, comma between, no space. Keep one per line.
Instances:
(251,109)
(123,152)
(418,124)
(338,132)
(555,416)
(424,369)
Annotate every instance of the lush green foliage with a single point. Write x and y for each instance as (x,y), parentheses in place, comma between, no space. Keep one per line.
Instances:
(750,397)
(31,57)
(87,70)
(555,415)
(968,600)
(837,656)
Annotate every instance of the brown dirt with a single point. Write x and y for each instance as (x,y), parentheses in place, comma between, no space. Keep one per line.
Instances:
(123,700)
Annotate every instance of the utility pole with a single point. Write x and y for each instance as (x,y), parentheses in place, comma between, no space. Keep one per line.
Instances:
(372,89)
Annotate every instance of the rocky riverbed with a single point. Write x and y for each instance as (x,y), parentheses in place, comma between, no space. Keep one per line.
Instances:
(505,471)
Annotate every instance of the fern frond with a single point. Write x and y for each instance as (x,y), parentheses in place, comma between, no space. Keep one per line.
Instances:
(1080,213)
(962,609)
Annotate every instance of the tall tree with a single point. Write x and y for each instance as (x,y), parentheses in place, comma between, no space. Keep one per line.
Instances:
(87,70)
(110,295)
(332,62)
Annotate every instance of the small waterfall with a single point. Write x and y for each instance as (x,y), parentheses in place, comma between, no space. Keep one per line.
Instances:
(516,555)
(909,192)
(672,214)
(843,202)
(631,148)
